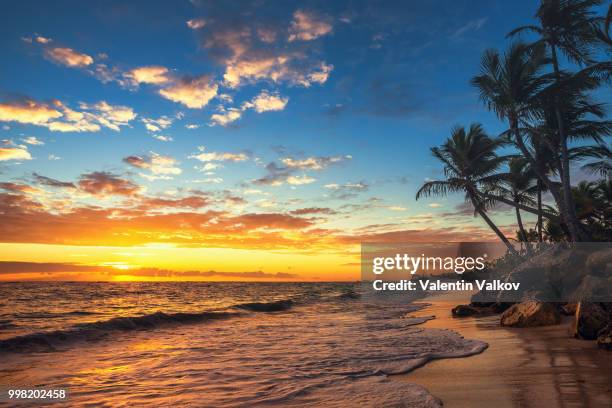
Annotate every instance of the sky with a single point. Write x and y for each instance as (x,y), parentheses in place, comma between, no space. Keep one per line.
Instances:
(254,140)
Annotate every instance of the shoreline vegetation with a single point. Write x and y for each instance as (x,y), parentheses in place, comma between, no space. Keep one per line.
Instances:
(544,87)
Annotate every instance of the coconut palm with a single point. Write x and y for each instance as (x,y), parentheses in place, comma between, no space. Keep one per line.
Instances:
(470,164)
(570,27)
(519,185)
(601,159)
(511,85)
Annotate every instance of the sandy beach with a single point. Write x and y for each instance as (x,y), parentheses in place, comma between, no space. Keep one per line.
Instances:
(534,367)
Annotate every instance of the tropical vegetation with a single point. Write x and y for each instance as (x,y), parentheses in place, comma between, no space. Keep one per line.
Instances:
(544,88)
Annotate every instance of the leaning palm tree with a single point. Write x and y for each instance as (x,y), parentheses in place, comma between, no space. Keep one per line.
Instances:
(519,185)
(570,27)
(470,163)
(510,85)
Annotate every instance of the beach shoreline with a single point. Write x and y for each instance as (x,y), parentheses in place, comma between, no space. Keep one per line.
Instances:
(522,367)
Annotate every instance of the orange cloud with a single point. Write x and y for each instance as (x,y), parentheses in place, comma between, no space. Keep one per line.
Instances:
(14,153)
(194,93)
(69,57)
(102,183)
(28,112)
(307,26)
(148,75)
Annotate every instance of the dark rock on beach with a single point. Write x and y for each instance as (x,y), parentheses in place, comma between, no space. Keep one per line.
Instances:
(531,314)
(591,318)
(466,310)
(604,338)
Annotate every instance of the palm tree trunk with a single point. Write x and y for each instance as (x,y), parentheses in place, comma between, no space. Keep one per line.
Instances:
(491,225)
(570,209)
(522,231)
(540,238)
(554,190)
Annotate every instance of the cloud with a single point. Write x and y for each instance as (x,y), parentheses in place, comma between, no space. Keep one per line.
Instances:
(29,112)
(307,26)
(347,190)
(110,116)
(265,102)
(157,125)
(52,270)
(163,138)
(153,74)
(314,211)
(32,140)
(58,117)
(21,188)
(204,156)
(155,163)
(277,174)
(14,153)
(196,23)
(51,182)
(299,180)
(193,202)
(42,40)
(225,117)
(194,93)
(292,68)
(100,183)
(69,57)
(313,163)
(252,47)
(435,205)
(209,180)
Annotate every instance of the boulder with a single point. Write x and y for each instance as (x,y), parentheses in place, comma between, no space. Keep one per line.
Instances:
(465,310)
(600,262)
(590,319)
(531,314)
(604,338)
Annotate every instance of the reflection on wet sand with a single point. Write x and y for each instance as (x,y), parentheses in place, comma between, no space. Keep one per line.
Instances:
(535,367)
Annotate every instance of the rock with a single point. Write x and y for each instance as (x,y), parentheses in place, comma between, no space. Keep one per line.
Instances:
(600,262)
(590,319)
(500,307)
(569,309)
(604,338)
(530,314)
(465,310)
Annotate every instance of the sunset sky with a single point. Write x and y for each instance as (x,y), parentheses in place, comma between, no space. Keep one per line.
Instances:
(256,140)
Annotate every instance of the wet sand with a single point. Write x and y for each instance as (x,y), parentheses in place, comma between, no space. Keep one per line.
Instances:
(533,367)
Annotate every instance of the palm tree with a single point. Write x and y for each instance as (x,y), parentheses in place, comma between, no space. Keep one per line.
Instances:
(510,85)
(519,185)
(470,163)
(602,154)
(570,27)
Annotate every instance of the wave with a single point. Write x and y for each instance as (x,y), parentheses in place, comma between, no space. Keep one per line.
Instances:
(276,306)
(97,330)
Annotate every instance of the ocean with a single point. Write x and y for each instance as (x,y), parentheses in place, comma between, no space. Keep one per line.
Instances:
(218,344)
